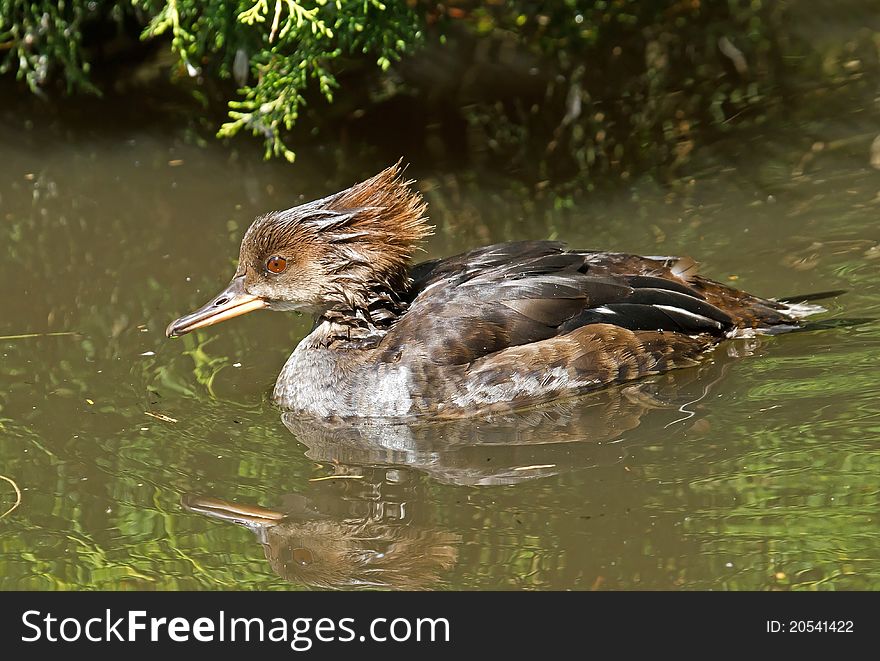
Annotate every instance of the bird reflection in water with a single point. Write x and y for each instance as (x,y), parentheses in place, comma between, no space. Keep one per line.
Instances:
(372,522)
(373,531)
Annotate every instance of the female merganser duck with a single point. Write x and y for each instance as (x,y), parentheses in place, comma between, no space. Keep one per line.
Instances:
(506,325)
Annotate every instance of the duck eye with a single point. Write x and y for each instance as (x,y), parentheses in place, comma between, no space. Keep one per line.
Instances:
(276,264)
(302,557)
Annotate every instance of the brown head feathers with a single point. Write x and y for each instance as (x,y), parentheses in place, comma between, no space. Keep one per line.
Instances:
(341,248)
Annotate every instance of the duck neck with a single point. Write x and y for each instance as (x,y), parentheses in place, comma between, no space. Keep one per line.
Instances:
(333,370)
(363,320)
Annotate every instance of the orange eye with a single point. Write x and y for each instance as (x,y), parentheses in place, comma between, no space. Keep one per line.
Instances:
(302,557)
(276,264)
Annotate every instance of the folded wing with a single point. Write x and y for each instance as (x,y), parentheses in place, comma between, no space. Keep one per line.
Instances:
(513,294)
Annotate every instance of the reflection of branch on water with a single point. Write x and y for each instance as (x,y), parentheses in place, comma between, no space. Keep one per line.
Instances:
(17,496)
(688,414)
(27,336)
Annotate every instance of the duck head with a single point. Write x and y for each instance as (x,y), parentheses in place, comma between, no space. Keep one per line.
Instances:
(327,254)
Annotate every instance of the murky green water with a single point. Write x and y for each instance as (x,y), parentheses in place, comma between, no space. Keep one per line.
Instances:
(136,456)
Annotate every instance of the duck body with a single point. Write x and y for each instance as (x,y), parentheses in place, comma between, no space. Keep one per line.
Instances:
(516,324)
(506,325)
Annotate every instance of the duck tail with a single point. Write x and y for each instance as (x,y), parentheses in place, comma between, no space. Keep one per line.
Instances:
(806,298)
(802,305)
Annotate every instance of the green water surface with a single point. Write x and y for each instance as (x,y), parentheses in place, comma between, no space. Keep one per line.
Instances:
(134,453)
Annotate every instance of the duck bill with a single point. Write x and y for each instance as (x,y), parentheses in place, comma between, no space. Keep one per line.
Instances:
(249,515)
(231,302)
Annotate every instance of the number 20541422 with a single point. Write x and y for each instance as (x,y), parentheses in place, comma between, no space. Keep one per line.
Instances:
(810,626)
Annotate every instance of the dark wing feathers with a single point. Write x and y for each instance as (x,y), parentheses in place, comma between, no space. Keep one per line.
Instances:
(644,317)
(665,297)
(551,312)
(639,281)
(513,294)
(462,267)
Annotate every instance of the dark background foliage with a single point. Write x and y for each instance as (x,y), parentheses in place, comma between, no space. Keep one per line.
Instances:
(566,93)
